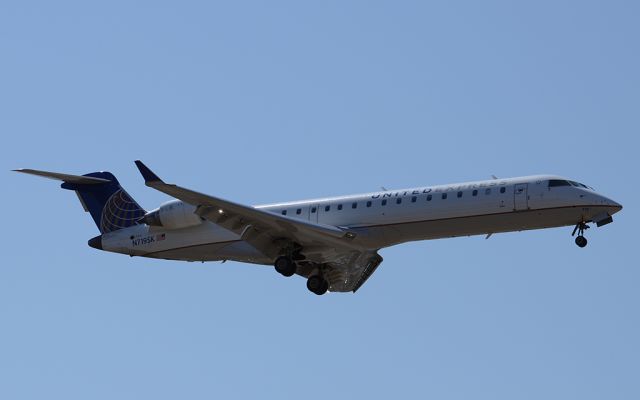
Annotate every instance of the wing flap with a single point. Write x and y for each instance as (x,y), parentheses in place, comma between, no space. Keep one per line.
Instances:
(351,273)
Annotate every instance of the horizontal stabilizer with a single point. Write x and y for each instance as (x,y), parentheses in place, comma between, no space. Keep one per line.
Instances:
(100,193)
(78,179)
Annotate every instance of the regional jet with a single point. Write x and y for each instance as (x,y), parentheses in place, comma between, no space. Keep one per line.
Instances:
(332,242)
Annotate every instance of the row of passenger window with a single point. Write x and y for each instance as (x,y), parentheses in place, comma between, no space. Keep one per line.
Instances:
(383,202)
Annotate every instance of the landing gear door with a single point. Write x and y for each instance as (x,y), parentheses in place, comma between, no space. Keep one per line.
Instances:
(521,197)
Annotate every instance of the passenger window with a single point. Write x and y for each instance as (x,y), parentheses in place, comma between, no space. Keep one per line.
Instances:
(502,189)
(487,191)
(444,196)
(284,212)
(327,208)
(459,194)
(384,202)
(313,210)
(339,206)
(298,211)
(474,193)
(429,197)
(399,200)
(354,205)
(368,203)
(413,199)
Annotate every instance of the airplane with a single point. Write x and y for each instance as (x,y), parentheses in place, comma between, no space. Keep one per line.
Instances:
(332,242)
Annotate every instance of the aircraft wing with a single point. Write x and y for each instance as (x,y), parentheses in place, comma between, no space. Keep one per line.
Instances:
(349,265)
(239,218)
(222,212)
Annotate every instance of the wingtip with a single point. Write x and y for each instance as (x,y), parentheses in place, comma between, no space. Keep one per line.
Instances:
(146,173)
(23,170)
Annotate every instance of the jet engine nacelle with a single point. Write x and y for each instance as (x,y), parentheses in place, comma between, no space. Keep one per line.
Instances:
(173,214)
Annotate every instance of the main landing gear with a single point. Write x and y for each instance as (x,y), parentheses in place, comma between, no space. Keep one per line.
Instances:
(315,283)
(285,265)
(581,241)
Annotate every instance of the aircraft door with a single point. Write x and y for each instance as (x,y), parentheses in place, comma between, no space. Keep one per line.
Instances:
(521,197)
(314,210)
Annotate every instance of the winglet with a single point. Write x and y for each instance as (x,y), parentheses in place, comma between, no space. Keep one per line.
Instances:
(147,174)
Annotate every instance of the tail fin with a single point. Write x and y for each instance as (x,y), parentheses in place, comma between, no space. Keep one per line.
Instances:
(100,193)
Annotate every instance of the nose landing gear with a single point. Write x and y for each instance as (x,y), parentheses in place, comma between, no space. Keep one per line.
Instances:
(581,241)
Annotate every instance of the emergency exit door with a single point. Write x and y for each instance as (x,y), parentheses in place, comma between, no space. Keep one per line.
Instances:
(521,196)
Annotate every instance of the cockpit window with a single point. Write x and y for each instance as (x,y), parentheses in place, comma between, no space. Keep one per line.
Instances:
(558,182)
(582,185)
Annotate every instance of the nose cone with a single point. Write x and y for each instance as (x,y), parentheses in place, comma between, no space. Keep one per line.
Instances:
(96,242)
(613,206)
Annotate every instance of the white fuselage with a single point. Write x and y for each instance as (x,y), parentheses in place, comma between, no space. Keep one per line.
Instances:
(385,218)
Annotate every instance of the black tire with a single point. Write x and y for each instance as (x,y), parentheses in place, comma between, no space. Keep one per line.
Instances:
(325,287)
(317,285)
(581,241)
(285,266)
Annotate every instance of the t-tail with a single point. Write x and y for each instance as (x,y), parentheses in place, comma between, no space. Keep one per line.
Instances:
(100,194)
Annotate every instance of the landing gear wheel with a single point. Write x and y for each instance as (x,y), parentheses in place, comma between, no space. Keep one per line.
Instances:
(581,241)
(317,285)
(285,266)
(325,286)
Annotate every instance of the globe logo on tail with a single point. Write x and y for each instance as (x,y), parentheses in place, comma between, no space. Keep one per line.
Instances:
(120,211)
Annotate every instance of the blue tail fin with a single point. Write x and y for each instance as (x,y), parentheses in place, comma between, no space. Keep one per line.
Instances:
(111,207)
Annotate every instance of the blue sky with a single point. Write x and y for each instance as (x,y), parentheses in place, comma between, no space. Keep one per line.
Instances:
(262,102)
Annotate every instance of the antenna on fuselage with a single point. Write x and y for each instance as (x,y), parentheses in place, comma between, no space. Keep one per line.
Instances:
(494,177)
(383,188)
